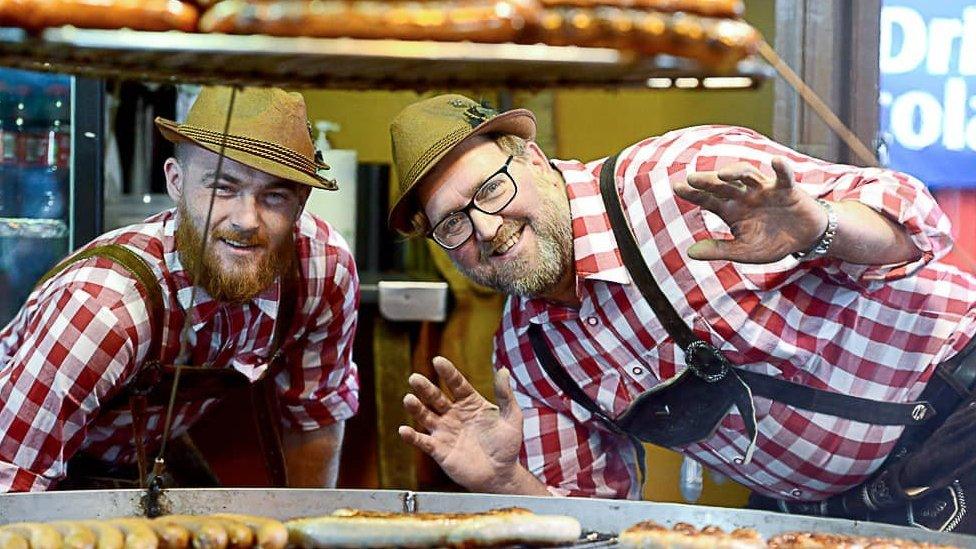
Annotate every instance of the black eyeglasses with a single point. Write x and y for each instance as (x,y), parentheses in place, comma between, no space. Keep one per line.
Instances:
(492,196)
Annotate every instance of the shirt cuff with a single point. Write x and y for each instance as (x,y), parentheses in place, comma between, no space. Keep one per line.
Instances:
(16,479)
(339,405)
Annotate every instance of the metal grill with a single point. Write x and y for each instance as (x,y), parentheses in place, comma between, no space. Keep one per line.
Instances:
(344,63)
(604,517)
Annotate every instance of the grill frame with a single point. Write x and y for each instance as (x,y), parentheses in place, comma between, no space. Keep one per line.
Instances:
(596,515)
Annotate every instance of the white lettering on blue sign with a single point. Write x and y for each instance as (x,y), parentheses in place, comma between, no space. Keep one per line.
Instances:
(928,89)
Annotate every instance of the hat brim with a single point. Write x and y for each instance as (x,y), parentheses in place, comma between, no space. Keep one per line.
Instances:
(519,122)
(172,132)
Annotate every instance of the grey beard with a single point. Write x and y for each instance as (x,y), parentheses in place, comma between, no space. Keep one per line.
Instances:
(516,277)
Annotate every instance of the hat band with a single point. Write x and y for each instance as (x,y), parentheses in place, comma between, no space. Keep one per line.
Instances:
(434,151)
(264,149)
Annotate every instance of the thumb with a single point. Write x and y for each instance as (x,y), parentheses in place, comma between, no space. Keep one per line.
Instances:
(711,249)
(504,397)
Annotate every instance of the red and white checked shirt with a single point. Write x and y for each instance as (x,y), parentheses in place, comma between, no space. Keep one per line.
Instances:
(871,331)
(80,337)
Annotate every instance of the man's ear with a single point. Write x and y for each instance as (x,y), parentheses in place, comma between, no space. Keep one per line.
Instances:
(535,156)
(304,191)
(174,174)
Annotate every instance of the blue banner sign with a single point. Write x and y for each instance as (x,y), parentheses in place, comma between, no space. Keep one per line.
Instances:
(928,89)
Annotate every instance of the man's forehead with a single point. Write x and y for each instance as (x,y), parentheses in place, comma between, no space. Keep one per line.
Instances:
(461,174)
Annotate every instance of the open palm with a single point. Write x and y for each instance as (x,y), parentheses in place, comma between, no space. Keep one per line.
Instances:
(476,442)
(769,218)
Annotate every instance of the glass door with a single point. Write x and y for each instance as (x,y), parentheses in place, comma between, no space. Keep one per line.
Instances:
(35,150)
(42,217)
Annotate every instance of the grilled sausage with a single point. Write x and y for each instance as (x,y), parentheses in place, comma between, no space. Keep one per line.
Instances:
(490,21)
(109,537)
(207,534)
(138,534)
(171,536)
(40,536)
(268,533)
(168,536)
(718,43)
(239,536)
(75,534)
(708,8)
(10,540)
(149,15)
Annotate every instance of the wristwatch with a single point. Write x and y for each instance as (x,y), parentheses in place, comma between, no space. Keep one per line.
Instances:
(822,246)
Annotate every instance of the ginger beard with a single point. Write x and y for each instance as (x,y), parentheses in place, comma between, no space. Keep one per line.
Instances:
(241,280)
(534,272)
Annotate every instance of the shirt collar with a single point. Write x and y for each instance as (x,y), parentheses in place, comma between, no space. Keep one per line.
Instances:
(595,251)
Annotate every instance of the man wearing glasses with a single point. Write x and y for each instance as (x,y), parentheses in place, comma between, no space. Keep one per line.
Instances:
(782,320)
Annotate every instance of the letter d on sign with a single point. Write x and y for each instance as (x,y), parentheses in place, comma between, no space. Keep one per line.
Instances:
(913,43)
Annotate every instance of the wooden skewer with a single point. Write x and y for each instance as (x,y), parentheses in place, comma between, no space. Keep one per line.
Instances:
(811,98)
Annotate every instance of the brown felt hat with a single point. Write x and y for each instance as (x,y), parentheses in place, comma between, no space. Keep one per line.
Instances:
(425,132)
(268,131)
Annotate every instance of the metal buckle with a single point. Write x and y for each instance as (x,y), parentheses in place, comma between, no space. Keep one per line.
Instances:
(146,378)
(919,412)
(706,361)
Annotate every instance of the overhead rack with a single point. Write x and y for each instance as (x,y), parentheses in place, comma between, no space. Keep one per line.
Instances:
(346,63)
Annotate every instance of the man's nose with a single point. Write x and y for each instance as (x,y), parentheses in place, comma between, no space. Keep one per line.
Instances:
(244,216)
(485,225)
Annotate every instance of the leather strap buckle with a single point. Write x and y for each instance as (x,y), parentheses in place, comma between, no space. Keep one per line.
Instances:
(706,361)
(146,378)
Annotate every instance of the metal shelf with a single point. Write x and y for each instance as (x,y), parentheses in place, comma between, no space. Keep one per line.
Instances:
(344,63)
(21,227)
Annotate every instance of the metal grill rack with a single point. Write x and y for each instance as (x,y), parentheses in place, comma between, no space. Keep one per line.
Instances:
(348,63)
(605,517)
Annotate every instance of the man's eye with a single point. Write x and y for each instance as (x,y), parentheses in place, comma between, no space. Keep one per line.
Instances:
(277,198)
(490,190)
(453,224)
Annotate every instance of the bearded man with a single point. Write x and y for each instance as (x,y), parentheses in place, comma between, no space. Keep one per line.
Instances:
(782,320)
(236,282)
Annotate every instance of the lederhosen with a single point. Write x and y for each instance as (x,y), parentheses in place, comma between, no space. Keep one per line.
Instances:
(689,407)
(152,384)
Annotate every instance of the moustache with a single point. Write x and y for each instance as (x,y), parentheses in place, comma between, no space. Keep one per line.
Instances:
(506,231)
(248,238)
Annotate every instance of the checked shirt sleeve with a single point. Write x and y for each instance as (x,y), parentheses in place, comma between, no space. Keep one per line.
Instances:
(900,197)
(322,382)
(90,328)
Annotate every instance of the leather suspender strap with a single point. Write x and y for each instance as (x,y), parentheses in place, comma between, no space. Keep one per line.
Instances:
(634,260)
(138,268)
(558,374)
(561,378)
(264,396)
(865,410)
(780,390)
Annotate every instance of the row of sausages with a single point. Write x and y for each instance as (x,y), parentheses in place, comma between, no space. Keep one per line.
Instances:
(700,29)
(219,531)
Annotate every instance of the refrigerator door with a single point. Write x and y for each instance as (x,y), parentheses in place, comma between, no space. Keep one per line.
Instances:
(46,208)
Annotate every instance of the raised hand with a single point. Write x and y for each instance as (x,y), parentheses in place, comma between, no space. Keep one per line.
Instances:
(769,217)
(476,442)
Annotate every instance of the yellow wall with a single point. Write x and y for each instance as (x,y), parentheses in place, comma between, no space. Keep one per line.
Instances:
(588,125)
(593,124)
